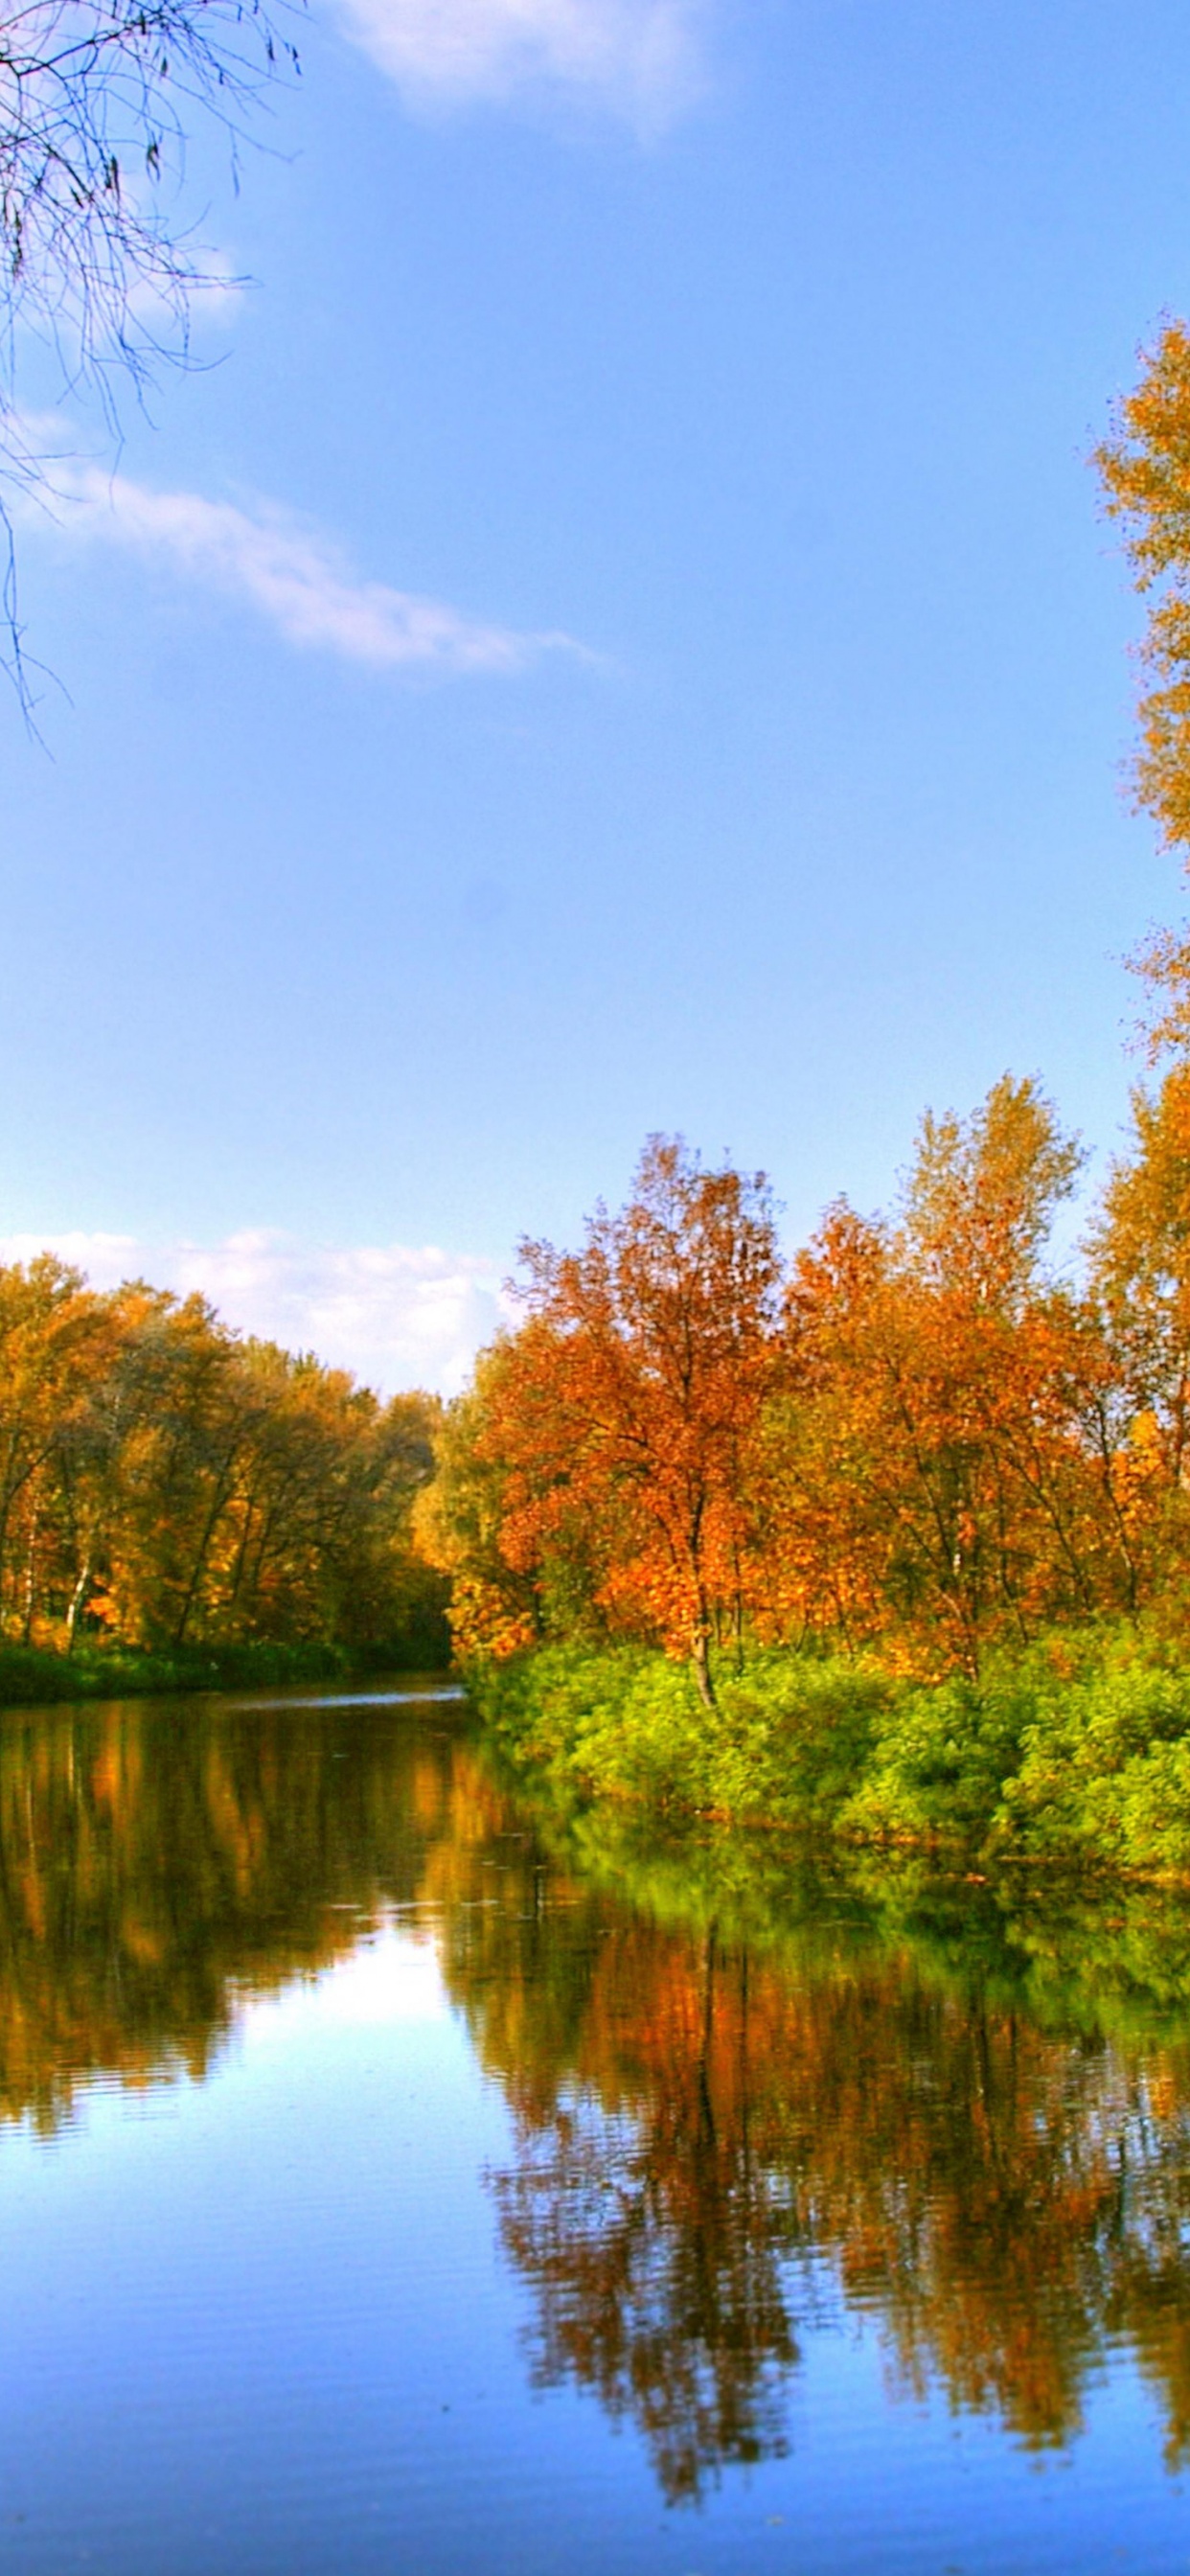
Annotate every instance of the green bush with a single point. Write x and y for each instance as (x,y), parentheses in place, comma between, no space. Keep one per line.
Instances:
(1077,1749)
(1105,1763)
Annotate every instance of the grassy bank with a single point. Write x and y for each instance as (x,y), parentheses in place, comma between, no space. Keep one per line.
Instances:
(31,1675)
(1077,1751)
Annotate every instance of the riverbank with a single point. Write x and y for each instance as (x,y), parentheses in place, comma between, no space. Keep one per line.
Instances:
(1077,1750)
(32,1676)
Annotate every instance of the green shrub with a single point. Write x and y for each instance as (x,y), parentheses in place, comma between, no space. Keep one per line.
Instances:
(1105,1763)
(1075,1750)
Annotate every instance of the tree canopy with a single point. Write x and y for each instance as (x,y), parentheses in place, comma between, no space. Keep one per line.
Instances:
(164,1482)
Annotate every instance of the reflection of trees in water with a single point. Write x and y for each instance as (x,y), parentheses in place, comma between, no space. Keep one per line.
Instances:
(157,1861)
(653,2240)
(710,2129)
(723,2102)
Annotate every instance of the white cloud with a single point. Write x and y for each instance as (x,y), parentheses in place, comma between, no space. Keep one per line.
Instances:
(294,575)
(637,58)
(398,1316)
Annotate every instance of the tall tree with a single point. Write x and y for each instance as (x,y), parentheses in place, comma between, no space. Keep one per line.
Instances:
(641,1374)
(1140,1262)
(933,1479)
(49,1333)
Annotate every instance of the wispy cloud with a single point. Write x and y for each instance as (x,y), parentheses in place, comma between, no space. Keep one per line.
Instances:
(293,574)
(398,1315)
(640,59)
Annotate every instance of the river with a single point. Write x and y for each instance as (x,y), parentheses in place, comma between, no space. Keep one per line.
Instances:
(397,2177)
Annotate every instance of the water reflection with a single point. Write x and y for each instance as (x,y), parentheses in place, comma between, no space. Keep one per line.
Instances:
(642,2211)
(746,2093)
(158,1860)
(1002,2203)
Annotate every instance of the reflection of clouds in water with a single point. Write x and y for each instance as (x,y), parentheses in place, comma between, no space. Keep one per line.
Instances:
(399,1315)
(393,1977)
(296,1698)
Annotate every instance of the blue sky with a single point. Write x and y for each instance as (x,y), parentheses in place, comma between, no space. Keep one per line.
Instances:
(717,384)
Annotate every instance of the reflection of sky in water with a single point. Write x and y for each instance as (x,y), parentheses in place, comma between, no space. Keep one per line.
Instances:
(391,1977)
(265,2322)
(293,1700)
(266,2328)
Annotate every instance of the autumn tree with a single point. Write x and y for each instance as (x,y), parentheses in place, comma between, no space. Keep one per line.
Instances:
(1140,1264)
(101,1447)
(981,1196)
(1144,466)
(167,1483)
(934,1478)
(645,1359)
(496,1596)
(600,1471)
(1022,1497)
(48,1333)
(915,1436)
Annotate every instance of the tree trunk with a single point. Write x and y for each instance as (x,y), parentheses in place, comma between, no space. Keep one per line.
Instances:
(700,1654)
(30,1577)
(214,1516)
(76,1602)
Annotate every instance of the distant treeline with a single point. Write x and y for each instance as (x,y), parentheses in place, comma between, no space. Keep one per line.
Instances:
(168,1487)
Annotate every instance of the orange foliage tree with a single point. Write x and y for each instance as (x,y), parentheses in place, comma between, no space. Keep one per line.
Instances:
(913,1436)
(1144,466)
(941,1459)
(622,1412)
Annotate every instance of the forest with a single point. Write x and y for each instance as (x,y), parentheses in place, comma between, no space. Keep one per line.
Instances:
(169,1489)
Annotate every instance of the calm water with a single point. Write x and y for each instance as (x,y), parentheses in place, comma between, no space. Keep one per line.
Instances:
(391,2181)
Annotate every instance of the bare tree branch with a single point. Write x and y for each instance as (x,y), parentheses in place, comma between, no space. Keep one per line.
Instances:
(98,256)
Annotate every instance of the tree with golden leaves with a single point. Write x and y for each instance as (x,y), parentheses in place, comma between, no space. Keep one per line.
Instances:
(169,1484)
(934,1460)
(1145,469)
